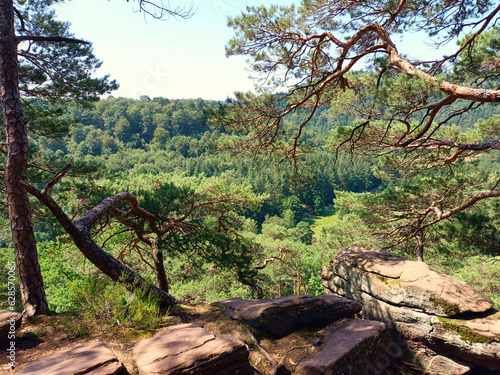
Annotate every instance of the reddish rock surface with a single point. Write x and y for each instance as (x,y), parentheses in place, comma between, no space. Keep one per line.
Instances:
(9,321)
(439,365)
(357,347)
(282,316)
(402,282)
(430,310)
(90,359)
(189,349)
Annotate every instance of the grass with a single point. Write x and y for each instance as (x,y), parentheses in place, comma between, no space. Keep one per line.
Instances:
(317,222)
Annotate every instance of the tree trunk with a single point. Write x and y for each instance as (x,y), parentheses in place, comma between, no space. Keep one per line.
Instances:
(80,234)
(420,246)
(30,277)
(161,275)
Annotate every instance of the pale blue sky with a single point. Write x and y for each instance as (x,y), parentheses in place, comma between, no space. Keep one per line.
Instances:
(174,58)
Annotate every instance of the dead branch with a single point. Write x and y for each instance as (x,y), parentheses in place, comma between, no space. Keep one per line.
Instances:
(273,362)
(157,9)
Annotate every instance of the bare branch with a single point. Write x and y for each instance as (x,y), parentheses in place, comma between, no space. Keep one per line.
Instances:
(47,190)
(21,19)
(157,9)
(486,21)
(470,202)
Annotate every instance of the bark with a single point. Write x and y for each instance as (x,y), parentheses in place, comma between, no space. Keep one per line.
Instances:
(470,202)
(80,234)
(30,277)
(451,89)
(420,246)
(161,275)
(253,284)
(250,279)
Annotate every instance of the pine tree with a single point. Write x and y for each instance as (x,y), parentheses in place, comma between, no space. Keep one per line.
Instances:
(40,58)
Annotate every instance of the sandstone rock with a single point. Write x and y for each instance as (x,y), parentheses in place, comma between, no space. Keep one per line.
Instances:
(189,349)
(357,347)
(281,316)
(90,359)
(458,338)
(488,326)
(391,290)
(439,365)
(450,337)
(403,282)
(9,322)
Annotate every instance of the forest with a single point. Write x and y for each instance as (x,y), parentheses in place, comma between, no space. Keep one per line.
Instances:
(203,200)
(163,152)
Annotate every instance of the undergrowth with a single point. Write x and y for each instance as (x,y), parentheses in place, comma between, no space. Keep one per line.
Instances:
(101,306)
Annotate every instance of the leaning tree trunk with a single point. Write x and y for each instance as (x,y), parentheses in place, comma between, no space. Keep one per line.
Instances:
(80,234)
(30,277)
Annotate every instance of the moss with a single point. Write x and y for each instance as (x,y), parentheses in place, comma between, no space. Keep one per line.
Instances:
(389,281)
(448,308)
(466,334)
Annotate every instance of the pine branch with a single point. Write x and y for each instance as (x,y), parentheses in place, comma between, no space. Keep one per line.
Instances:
(49,39)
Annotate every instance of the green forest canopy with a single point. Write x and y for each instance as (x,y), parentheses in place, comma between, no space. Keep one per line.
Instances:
(160,143)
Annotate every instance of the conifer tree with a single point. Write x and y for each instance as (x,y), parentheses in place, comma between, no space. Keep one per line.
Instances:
(344,55)
(40,58)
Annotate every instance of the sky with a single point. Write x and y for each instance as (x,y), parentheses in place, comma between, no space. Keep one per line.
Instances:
(173,58)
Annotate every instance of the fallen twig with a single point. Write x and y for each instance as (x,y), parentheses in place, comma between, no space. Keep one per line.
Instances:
(274,364)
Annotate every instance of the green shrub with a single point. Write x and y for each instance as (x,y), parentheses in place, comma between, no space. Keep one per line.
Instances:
(61,267)
(101,305)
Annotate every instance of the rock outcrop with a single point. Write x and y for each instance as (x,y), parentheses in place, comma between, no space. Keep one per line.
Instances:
(354,348)
(9,322)
(436,364)
(189,349)
(282,316)
(433,312)
(92,359)
(224,346)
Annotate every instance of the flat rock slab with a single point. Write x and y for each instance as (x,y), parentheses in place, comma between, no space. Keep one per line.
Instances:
(189,349)
(354,348)
(488,326)
(89,359)
(282,316)
(9,322)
